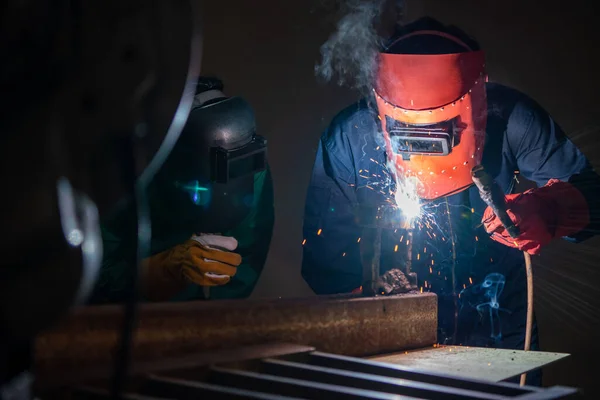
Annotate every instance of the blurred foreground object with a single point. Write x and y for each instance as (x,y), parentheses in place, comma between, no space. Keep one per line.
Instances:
(89,91)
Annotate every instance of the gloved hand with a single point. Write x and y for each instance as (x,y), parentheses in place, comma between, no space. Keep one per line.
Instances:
(206,260)
(555,210)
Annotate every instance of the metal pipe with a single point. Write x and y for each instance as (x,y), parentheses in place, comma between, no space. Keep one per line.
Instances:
(344,324)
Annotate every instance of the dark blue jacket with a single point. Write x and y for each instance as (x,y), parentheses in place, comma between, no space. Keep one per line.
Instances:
(350,170)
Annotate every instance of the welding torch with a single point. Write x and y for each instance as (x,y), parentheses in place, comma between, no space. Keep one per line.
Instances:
(492,195)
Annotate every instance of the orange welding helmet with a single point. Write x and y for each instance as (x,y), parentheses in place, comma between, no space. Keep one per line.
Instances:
(433,109)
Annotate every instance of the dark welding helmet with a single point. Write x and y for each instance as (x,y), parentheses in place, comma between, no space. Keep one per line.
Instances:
(208,180)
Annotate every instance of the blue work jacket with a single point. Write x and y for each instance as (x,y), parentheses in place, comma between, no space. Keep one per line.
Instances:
(480,284)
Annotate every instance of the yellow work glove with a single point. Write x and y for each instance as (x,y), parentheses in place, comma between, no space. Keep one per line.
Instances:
(206,260)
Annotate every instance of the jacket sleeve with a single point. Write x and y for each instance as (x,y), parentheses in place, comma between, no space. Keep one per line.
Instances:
(543,152)
(331,257)
(254,238)
(115,271)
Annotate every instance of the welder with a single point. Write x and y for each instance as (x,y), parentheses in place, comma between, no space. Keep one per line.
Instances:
(431,117)
(211,207)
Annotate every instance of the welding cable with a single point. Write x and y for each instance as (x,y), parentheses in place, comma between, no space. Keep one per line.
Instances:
(493,196)
(529,325)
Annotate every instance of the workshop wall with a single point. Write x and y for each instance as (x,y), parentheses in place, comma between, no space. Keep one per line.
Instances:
(266,51)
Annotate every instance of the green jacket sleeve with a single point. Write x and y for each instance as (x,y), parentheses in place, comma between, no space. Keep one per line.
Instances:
(117,261)
(254,239)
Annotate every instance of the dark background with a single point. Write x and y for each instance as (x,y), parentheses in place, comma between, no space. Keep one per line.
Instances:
(266,51)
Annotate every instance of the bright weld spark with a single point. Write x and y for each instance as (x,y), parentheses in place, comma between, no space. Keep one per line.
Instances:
(344,255)
(319,232)
(407,199)
(396,248)
(418,256)
(470,280)
(303,242)
(358,241)
(430,270)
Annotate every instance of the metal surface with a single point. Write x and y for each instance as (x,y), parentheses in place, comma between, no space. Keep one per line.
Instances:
(362,381)
(179,388)
(347,325)
(52,377)
(472,362)
(317,375)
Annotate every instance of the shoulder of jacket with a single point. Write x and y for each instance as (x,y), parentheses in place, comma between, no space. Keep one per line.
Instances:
(510,104)
(520,116)
(345,125)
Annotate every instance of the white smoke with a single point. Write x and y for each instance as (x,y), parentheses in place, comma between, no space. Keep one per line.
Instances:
(350,55)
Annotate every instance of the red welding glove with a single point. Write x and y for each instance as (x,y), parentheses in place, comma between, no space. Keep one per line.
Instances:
(555,210)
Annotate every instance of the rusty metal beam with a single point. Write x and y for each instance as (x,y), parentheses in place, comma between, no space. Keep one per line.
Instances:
(353,326)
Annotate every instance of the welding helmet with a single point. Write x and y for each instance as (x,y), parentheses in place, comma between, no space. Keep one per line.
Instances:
(208,180)
(431,100)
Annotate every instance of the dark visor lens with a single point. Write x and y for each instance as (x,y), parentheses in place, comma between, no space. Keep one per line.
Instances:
(412,145)
(434,139)
(250,164)
(227,165)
